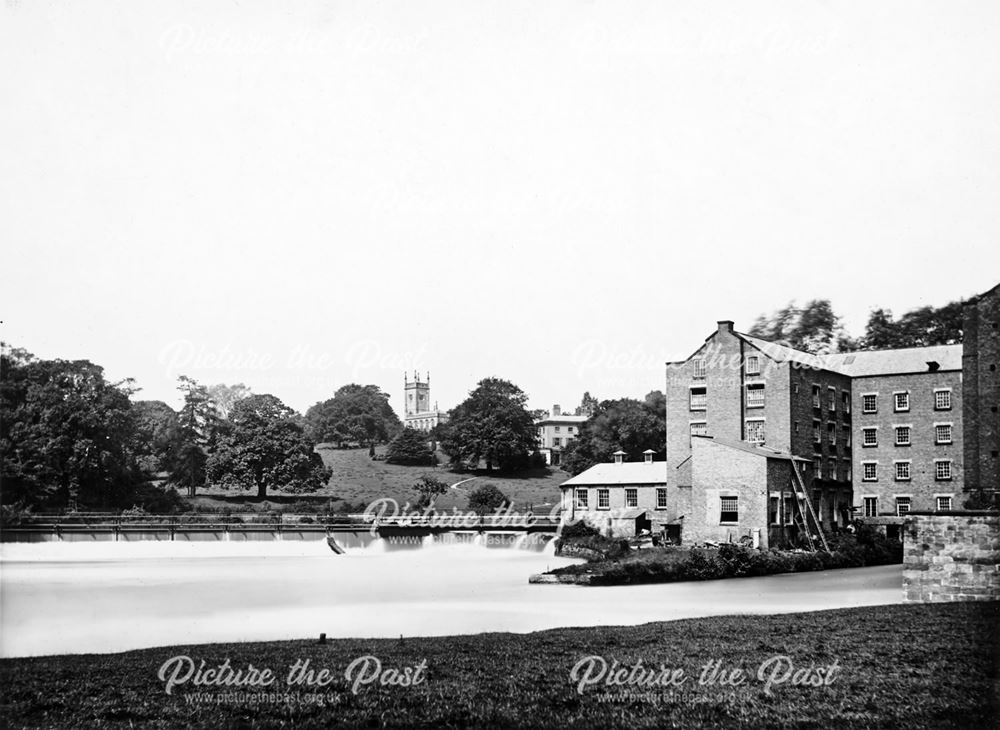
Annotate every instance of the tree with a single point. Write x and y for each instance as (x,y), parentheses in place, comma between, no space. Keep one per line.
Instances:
(487,499)
(880,333)
(588,404)
(922,327)
(356,414)
(226,396)
(156,426)
(428,487)
(198,426)
(66,435)
(812,328)
(265,448)
(491,425)
(410,448)
(625,424)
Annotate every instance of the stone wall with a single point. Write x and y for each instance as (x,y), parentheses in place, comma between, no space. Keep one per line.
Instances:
(951,557)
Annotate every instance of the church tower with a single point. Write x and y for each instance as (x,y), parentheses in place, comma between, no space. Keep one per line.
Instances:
(418,394)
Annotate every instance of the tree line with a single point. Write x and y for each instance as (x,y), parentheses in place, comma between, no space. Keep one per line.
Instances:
(815,327)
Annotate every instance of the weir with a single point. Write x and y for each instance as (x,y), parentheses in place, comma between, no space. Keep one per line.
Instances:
(353,531)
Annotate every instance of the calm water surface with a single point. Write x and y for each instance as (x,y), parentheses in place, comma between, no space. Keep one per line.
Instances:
(60,598)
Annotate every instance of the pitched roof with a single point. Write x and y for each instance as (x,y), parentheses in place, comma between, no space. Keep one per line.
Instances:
(861,363)
(895,362)
(783,353)
(628,472)
(763,451)
(561,419)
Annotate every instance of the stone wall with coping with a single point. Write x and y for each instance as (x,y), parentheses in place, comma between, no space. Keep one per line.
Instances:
(951,557)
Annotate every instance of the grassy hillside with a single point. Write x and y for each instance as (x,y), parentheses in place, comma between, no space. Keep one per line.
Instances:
(357,478)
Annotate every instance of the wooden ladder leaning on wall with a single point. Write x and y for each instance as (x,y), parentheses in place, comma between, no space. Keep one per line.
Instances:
(809,512)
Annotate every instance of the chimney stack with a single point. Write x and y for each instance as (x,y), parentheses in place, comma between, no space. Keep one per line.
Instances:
(556,410)
(725,325)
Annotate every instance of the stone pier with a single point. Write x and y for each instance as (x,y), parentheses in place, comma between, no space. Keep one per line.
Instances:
(952,556)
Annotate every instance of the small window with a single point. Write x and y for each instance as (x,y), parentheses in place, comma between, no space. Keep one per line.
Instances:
(845,401)
(699,369)
(902,471)
(869,471)
(699,428)
(699,399)
(901,402)
(902,435)
(581,498)
(603,499)
(557,429)
(815,394)
(942,400)
(942,470)
(631,497)
(755,396)
(755,432)
(753,365)
(661,498)
(943,504)
(556,441)
(869,403)
(942,433)
(831,399)
(831,433)
(869,437)
(902,506)
(831,469)
(817,436)
(871,506)
(847,435)
(569,429)
(772,511)
(787,512)
(729,509)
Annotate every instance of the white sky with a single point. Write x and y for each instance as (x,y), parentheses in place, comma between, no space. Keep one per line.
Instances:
(564,194)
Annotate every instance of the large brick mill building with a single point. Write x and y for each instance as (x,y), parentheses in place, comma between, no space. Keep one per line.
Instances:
(872,434)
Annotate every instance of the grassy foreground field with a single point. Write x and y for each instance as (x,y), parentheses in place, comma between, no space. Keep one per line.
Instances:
(909,666)
(357,478)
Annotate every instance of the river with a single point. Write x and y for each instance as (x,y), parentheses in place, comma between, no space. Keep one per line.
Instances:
(64,598)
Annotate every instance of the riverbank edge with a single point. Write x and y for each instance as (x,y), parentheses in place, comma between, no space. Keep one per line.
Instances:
(913,665)
(677,564)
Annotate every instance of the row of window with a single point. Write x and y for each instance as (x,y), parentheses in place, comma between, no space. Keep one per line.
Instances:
(556,429)
(904,435)
(942,502)
(604,498)
(902,470)
(753,431)
(831,433)
(751,366)
(869,401)
(831,469)
(831,399)
(901,401)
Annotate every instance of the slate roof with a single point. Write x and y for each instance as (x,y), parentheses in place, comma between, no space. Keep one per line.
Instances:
(895,362)
(863,363)
(763,451)
(782,353)
(628,472)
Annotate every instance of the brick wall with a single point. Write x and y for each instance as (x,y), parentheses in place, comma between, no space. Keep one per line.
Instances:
(922,487)
(719,472)
(952,557)
(981,396)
